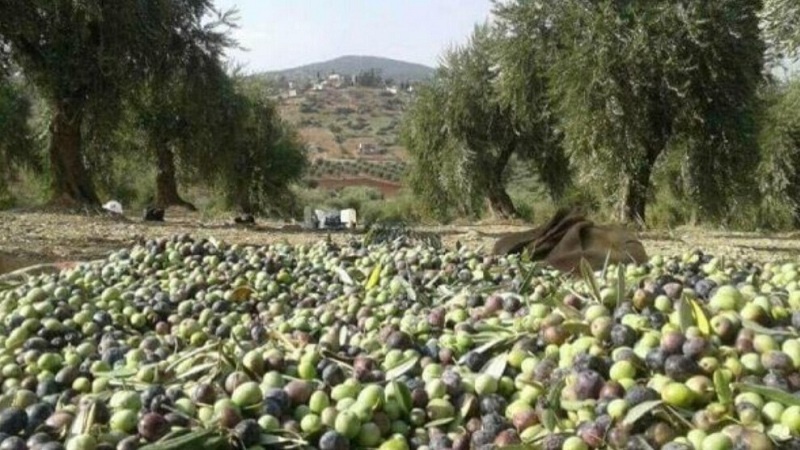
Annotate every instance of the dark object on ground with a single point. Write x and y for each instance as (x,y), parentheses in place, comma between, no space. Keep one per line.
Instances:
(569,237)
(246,219)
(153,214)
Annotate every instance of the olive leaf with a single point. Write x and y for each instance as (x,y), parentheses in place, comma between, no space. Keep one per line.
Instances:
(344,276)
(271,440)
(640,410)
(375,277)
(722,384)
(524,287)
(402,368)
(679,418)
(120,372)
(773,394)
(685,315)
(621,288)
(192,354)
(576,405)
(550,420)
(196,370)
(576,328)
(469,403)
(753,326)
(496,366)
(412,294)
(174,433)
(568,311)
(641,442)
(439,422)
(590,279)
(497,342)
(700,317)
(606,263)
(403,396)
(184,441)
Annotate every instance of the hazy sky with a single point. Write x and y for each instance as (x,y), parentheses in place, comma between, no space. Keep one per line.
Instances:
(280,34)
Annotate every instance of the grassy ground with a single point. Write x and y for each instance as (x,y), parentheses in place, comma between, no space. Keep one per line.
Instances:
(28,238)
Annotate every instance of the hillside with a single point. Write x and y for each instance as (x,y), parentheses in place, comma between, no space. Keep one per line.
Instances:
(353,135)
(399,71)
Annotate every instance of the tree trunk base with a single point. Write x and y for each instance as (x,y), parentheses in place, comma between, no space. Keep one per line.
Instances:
(71,184)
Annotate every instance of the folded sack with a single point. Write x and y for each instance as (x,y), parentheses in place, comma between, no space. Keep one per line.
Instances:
(569,237)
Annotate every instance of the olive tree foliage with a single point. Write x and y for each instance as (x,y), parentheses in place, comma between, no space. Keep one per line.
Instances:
(263,154)
(176,108)
(631,80)
(462,133)
(781,25)
(438,175)
(779,172)
(16,136)
(83,57)
(525,44)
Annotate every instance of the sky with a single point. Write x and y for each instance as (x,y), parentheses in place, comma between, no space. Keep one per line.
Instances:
(282,34)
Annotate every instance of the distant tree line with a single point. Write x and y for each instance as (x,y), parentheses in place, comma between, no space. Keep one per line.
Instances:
(610,94)
(137,79)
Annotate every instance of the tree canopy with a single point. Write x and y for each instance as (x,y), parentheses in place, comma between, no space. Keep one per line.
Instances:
(263,154)
(83,57)
(464,127)
(609,86)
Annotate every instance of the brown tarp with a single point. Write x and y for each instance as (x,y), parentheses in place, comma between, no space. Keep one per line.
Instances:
(569,237)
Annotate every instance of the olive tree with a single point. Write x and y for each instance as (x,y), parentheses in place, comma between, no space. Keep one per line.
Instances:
(632,80)
(83,57)
(260,154)
(463,126)
(437,175)
(176,109)
(779,172)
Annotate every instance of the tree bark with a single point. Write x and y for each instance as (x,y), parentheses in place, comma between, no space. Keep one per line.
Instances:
(166,180)
(499,200)
(635,200)
(71,183)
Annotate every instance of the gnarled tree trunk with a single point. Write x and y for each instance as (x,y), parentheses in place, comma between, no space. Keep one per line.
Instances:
(499,200)
(166,180)
(635,196)
(71,183)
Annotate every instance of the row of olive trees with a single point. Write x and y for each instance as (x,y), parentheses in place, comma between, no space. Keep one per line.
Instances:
(600,92)
(143,77)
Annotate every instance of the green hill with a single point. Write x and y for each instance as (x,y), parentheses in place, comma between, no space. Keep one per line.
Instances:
(399,71)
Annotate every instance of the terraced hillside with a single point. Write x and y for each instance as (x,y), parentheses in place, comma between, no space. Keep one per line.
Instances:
(353,134)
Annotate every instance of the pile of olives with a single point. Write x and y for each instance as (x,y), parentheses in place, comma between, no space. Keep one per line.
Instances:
(180,343)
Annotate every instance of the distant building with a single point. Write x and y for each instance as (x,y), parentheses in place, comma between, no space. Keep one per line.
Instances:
(370,149)
(391,89)
(335,80)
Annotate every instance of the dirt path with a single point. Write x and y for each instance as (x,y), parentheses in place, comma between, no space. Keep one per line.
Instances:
(29,238)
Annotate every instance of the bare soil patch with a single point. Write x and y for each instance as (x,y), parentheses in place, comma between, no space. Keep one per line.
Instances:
(387,188)
(33,237)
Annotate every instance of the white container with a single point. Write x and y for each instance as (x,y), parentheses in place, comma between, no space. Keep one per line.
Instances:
(348,217)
